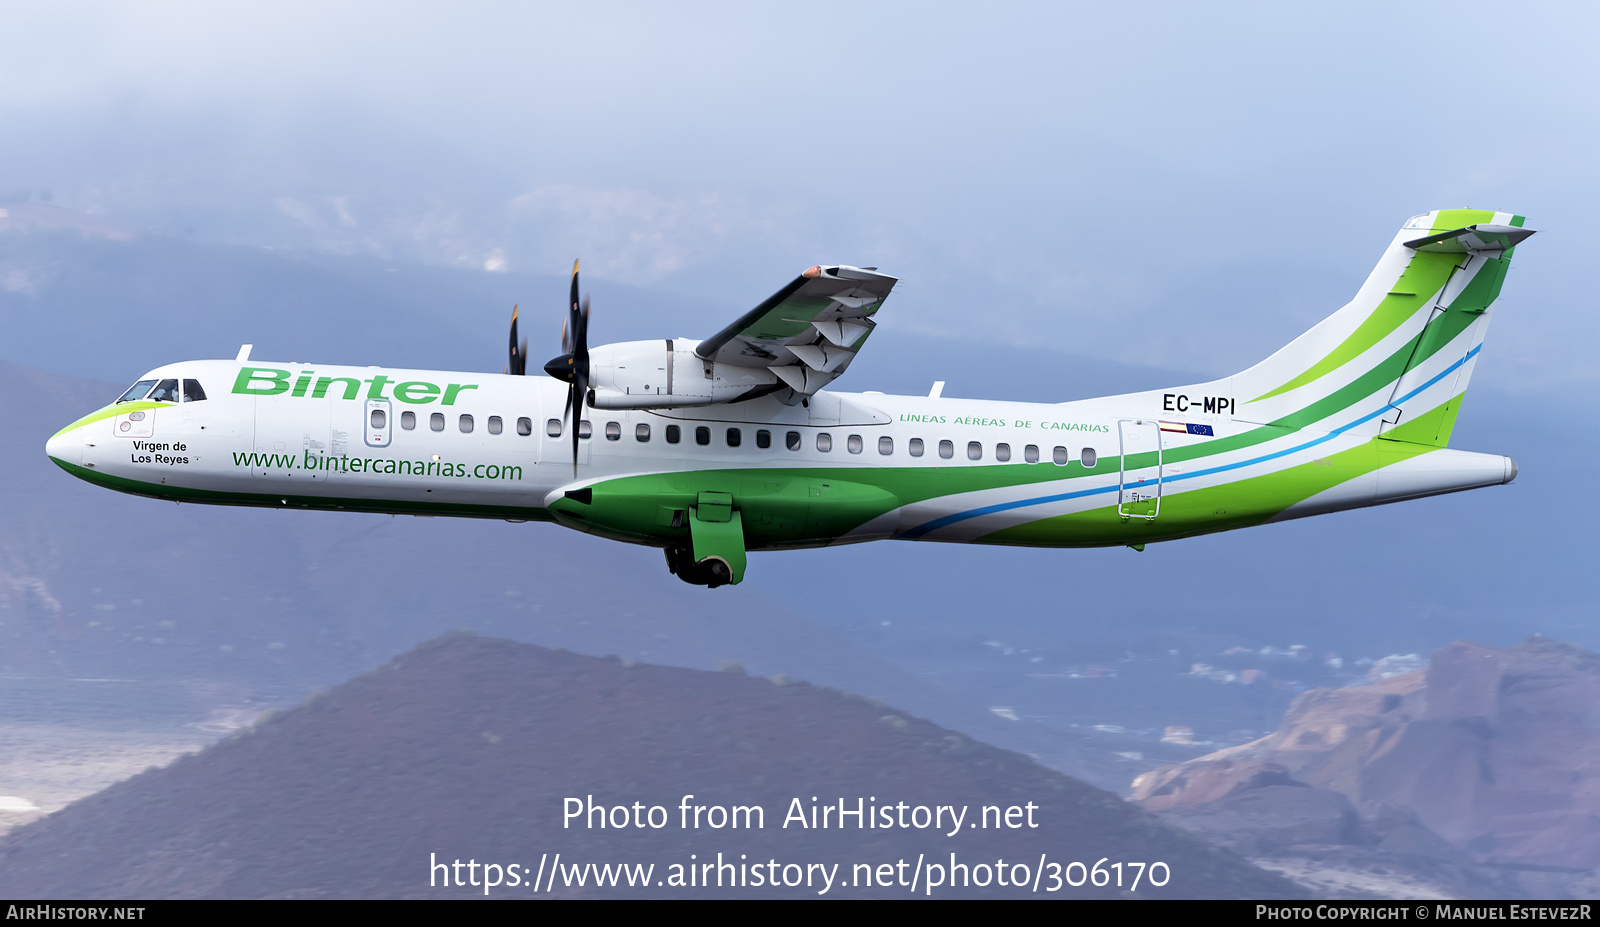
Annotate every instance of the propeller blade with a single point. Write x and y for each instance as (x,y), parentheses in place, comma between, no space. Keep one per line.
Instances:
(570,329)
(582,350)
(573,363)
(575,402)
(518,365)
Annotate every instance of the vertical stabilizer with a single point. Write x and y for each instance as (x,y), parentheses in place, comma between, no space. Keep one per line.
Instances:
(1394,361)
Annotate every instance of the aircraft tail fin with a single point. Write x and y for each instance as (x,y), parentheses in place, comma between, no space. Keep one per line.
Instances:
(1396,359)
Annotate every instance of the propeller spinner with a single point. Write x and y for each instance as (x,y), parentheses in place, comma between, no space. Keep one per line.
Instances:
(573,365)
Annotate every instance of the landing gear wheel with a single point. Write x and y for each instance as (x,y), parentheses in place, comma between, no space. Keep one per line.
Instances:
(716,570)
(710,572)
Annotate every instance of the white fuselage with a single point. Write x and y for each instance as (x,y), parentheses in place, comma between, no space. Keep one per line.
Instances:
(487,445)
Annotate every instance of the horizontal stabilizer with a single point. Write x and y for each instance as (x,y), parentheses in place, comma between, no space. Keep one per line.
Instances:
(1490,240)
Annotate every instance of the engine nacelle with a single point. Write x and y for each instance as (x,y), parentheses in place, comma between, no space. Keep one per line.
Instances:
(668,374)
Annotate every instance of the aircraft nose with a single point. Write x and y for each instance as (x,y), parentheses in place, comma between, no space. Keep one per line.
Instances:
(66,447)
(1511,470)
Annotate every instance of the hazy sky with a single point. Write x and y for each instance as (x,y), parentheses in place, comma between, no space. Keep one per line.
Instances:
(1186,186)
(1181,184)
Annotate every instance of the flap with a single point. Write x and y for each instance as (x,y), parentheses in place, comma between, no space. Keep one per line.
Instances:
(808,332)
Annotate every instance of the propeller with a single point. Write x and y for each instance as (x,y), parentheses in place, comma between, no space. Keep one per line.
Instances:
(573,365)
(518,365)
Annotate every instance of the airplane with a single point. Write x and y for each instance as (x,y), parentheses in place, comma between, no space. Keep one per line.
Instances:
(712,449)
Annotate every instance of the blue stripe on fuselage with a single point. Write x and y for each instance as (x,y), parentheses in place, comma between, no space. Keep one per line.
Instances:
(937,523)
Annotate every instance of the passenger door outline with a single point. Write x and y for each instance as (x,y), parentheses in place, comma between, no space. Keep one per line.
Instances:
(1138,488)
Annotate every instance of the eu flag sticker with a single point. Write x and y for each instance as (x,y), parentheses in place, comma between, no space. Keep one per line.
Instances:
(1201,430)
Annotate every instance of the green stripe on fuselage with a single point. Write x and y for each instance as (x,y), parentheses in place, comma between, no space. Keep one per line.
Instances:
(642,519)
(1418,285)
(1237,504)
(1439,333)
(112,411)
(1431,428)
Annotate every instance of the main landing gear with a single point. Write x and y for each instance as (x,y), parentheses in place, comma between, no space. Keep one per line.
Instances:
(714,555)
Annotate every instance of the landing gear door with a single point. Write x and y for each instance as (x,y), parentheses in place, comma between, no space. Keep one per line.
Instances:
(1139,489)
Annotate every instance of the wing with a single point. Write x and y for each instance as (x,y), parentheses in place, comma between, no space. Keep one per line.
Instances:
(808,332)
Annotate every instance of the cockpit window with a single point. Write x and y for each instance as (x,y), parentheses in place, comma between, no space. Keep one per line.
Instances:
(192,391)
(165,391)
(136,391)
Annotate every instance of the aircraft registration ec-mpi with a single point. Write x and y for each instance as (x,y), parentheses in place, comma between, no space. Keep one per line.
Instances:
(709,449)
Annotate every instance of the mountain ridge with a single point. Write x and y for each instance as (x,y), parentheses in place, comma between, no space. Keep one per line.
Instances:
(469,747)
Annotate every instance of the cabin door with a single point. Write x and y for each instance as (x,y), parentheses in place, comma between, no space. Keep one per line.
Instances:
(1139,488)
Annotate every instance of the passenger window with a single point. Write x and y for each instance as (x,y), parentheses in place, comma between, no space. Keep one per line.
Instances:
(886,445)
(763,438)
(436,421)
(974,450)
(792,440)
(524,426)
(853,444)
(495,425)
(465,423)
(641,432)
(1031,453)
(914,446)
(947,449)
(379,419)
(734,437)
(551,427)
(1059,455)
(824,442)
(137,391)
(585,428)
(192,391)
(613,431)
(1002,452)
(408,420)
(165,391)
(702,435)
(1088,457)
(674,434)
